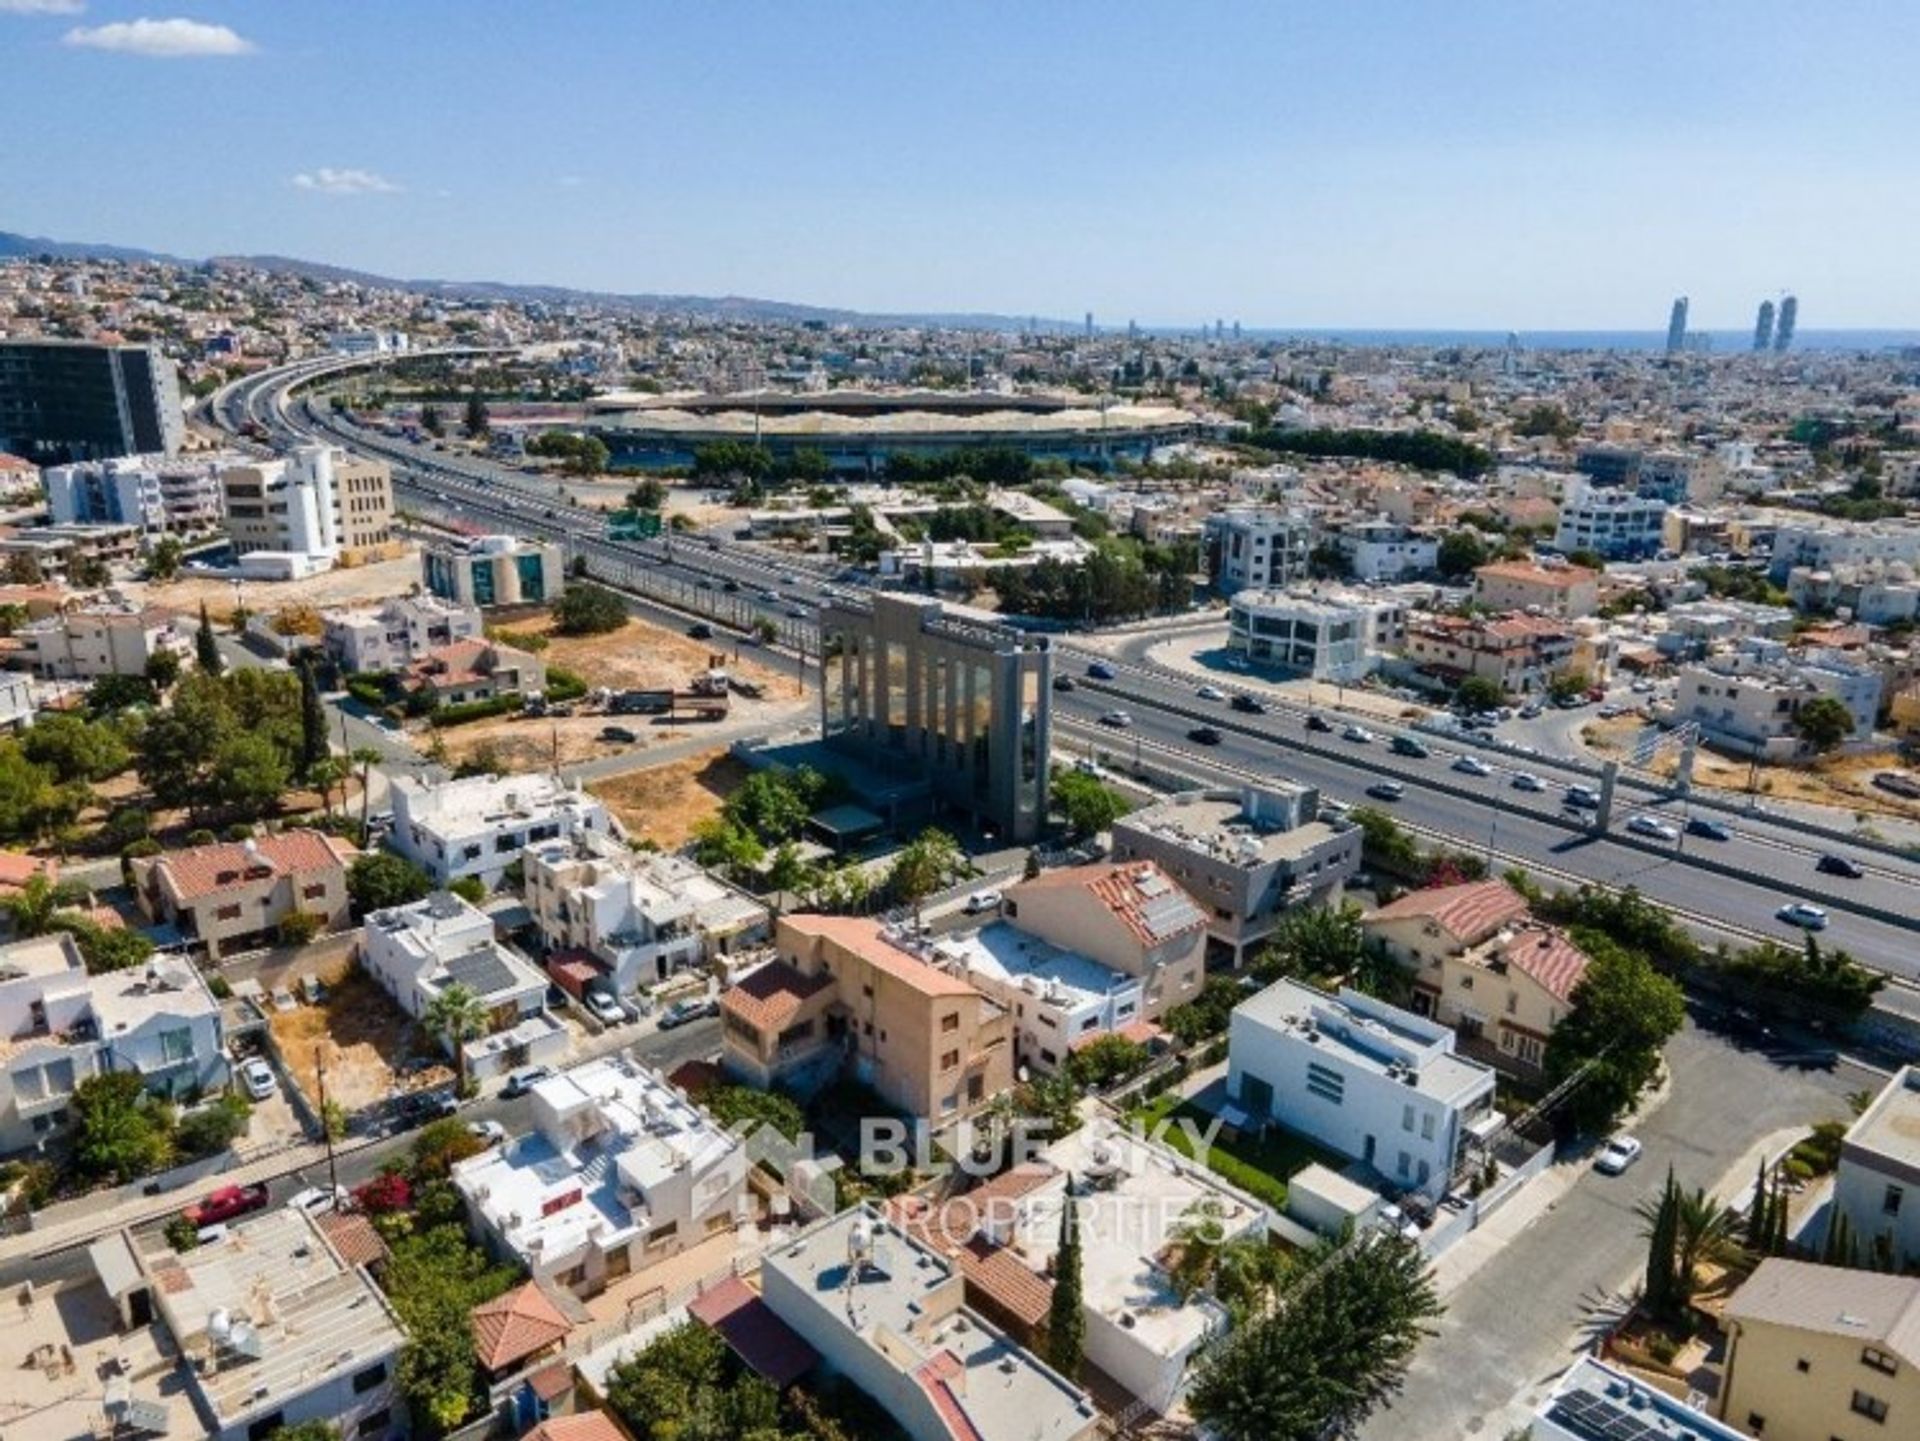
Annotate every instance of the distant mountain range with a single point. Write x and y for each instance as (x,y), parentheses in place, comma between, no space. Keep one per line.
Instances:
(738,307)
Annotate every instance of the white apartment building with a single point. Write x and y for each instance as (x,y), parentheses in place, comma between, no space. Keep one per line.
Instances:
(17,706)
(1328,635)
(1828,544)
(309,507)
(108,637)
(1615,524)
(417,951)
(1059,998)
(959,565)
(1747,702)
(397,632)
(1877,1186)
(63,1025)
(1874,593)
(643,915)
(1367,1079)
(480,825)
(369,342)
(619,1172)
(158,494)
(1386,550)
(489,570)
(1248,547)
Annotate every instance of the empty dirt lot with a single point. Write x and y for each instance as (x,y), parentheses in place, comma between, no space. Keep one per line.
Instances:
(664,804)
(363,1039)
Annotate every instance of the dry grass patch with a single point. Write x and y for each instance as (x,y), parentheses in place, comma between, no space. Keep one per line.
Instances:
(663,804)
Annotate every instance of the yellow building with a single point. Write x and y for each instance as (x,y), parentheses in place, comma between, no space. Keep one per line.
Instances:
(1566,591)
(1818,1353)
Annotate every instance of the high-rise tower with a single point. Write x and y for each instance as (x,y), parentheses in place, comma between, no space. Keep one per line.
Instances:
(1677,326)
(1763,326)
(1783,333)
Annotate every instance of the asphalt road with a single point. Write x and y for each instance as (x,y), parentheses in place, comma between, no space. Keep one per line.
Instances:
(1522,1318)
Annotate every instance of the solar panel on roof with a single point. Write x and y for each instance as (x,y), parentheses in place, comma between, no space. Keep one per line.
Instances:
(1167,915)
(1151,883)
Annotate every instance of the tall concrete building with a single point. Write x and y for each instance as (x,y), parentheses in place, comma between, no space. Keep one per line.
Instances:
(1763,327)
(67,400)
(316,503)
(1789,316)
(1677,327)
(956,697)
(178,495)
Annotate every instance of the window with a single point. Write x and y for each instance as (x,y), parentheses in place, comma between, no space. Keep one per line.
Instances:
(313,892)
(1426,1127)
(1048,1056)
(1890,1204)
(1871,1407)
(660,1235)
(1756,1423)
(950,1023)
(1406,1118)
(266,1426)
(949,1060)
(1879,1360)
(1803,1365)
(1326,1083)
(1406,1164)
(365,1381)
(176,1045)
(227,913)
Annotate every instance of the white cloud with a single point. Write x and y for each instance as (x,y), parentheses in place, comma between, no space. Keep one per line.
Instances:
(329,181)
(160,39)
(42,7)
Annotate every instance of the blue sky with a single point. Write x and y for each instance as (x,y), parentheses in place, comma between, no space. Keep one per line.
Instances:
(1344,163)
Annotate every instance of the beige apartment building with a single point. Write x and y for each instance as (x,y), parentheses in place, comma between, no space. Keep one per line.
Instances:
(1482,965)
(233,897)
(1822,1353)
(318,501)
(1129,917)
(844,994)
(1566,591)
(1519,653)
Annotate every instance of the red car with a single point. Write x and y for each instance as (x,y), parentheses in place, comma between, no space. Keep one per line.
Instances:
(227,1203)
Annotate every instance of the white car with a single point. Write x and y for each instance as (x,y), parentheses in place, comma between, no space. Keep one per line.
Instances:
(1359,735)
(1472,766)
(1211,692)
(1118,719)
(316,1199)
(257,1076)
(487,1133)
(1618,1154)
(605,1008)
(1527,781)
(1800,913)
(982,901)
(1655,828)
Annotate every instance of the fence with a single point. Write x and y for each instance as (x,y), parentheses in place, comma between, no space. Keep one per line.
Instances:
(1453,1226)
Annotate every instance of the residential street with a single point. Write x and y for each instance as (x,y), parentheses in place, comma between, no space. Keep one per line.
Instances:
(1519,1321)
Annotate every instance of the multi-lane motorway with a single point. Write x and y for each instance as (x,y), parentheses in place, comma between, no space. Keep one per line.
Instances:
(1739,883)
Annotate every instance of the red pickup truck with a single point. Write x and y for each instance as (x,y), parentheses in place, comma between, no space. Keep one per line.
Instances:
(227,1203)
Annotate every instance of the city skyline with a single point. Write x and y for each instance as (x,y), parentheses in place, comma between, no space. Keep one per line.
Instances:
(1492,169)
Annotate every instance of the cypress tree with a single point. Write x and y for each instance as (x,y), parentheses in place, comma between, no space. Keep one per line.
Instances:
(313,722)
(1066,1326)
(1779,1243)
(1661,1288)
(1759,1220)
(205,649)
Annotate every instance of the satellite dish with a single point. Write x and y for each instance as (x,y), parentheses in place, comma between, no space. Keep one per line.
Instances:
(220,1326)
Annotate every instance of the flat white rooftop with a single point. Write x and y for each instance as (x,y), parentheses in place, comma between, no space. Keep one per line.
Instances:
(1004,953)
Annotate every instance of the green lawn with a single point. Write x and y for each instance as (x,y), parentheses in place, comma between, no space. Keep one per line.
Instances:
(1258,1165)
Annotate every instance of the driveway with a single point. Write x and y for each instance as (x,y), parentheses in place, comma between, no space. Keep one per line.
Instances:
(1520,1320)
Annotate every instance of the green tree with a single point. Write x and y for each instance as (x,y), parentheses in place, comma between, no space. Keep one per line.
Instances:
(313,723)
(1569,685)
(1684,1230)
(1106,1060)
(431,421)
(442,1144)
(471,889)
(33,906)
(120,1132)
(1479,693)
(1066,1322)
(23,569)
(1461,552)
(928,862)
(588,610)
(213,1127)
(249,774)
(206,650)
(435,1279)
(1623,1012)
(1312,941)
(1327,1353)
(476,422)
(648,494)
(379,880)
(747,1107)
(1661,1227)
(457,1015)
(163,561)
(774,805)
(1088,806)
(685,1386)
(162,671)
(1823,723)
(306,1431)
(721,845)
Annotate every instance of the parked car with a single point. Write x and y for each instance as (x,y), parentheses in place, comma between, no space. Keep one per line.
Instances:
(1654,828)
(1358,734)
(604,1007)
(1408,746)
(1100,670)
(1618,1154)
(226,1204)
(1800,913)
(1710,830)
(257,1076)
(1386,790)
(1472,766)
(1118,719)
(982,901)
(1211,692)
(681,1013)
(523,1080)
(1527,781)
(487,1133)
(1250,704)
(1832,865)
(1317,722)
(318,1199)
(619,734)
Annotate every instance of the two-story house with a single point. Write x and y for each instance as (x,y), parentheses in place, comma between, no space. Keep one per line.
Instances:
(479,825)
(232,896)
(1877,1185)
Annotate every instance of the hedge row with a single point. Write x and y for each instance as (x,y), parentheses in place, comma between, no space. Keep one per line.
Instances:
(453,715)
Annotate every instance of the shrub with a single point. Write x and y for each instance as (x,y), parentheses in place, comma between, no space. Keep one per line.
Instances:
(564,685)
(453,715)
(201,836)
(471,889)
(219,986)
(384,1194)
(298,927)
(211,1129)
(182,1234)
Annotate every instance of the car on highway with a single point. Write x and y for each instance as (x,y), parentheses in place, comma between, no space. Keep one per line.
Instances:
(524,1080)
(1065,683)
(1318,723)
(487,1133)
(1204,735)
(1708,830)
(1618,1154)
(982,901)
(605,1008)
(1358,734)
(257,1076)
(1471,766)
(620,735)
(1802,914)
(731,587)
(1386,790)
(1100,670)
(1528,781)
(1654,828)
(770,595)
(1408,746)
(1583,798)
(316,1200)
(1832,865)
(704,583)
(1118,719)
(1211,692)
(700,630)
(226,1204)
(1249,704)
(681,1013)
(798,612)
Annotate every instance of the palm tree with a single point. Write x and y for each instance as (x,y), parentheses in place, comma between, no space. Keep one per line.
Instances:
(929,861)
(366,757)
(33,907)
(1702,1231)
(324,774)
(459,1015)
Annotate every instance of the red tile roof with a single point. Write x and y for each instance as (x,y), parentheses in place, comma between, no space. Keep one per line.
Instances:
(206,870)
(953,1230)
(1117,886)
(1469,913)
(769,998)
(585,1426)
(353,1236)
(1549,957)
(1560,577)
(551,1381)
(15,868)
(769,1346)
(936,1376)
(863,938)
(515,1326)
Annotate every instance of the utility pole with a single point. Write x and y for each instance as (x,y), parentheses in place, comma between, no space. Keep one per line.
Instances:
(326,1131)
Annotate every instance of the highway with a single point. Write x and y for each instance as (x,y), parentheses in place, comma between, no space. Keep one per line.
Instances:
(1740,882)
